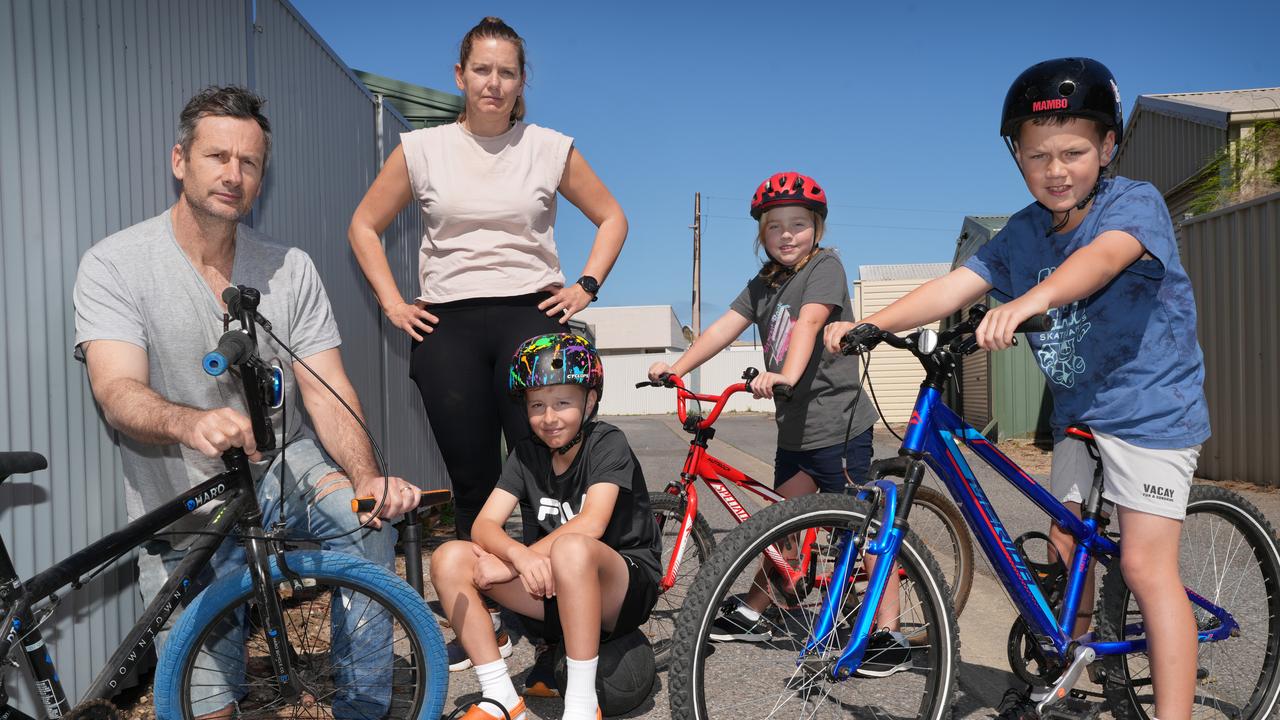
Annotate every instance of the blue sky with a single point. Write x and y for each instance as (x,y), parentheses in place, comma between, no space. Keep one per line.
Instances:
(893,107)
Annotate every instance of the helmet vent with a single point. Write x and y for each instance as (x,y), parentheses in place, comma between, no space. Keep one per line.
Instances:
(1067,88)
(557,363)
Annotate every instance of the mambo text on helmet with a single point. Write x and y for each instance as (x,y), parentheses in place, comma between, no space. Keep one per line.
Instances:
(1055,104)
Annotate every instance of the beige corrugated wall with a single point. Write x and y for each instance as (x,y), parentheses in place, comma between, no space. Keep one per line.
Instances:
(1146,156)
(895,374)
(1233,258)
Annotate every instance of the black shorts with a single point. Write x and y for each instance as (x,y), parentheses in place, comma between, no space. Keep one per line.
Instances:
(642,595)
(823,464)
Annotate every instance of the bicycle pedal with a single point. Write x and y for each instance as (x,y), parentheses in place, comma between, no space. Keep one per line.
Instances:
(1073,708)
(1061,690)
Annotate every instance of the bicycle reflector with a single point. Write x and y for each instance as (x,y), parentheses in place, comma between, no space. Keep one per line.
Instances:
(274,389)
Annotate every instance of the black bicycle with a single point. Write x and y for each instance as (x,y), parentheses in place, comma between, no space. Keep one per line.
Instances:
(323,634)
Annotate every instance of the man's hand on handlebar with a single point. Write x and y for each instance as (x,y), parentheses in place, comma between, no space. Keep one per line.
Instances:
(402,496)
(215,431)
(996,330)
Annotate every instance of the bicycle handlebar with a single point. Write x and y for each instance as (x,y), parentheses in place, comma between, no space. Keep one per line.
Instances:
(958,338)
(429,498)
(782,391)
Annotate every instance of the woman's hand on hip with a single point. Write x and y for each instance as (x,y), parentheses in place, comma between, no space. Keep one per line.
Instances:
(566,302)
(413,319)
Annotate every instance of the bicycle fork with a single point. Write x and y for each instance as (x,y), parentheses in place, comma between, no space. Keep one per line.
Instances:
(258,551)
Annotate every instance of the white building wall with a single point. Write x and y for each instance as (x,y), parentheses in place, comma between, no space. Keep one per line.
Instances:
(622,372)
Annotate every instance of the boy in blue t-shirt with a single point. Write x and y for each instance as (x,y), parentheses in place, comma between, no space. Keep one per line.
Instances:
(1099,255)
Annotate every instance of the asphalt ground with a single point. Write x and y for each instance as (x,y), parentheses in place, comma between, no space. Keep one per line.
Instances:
(748,441)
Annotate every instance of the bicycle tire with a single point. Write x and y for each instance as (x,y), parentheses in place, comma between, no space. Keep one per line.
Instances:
(924,598)
(661,623)
(951,545)
(1245,584)
(414,635)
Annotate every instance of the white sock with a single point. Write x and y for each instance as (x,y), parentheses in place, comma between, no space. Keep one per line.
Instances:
(748,612)
(580,702)
(495,684)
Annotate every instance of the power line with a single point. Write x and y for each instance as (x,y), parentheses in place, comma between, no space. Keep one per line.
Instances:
(851,225)
(864,206)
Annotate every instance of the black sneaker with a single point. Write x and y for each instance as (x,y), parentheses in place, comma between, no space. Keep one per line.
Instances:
(733,624)
(541,680)
(887,653)
(1016,705)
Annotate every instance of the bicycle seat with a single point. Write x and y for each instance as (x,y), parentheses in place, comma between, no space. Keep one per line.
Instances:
(13,463)
(1080,431)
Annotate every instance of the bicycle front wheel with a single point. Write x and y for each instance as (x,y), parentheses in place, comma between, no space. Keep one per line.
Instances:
(668,510)
(1228,555)
(940,526)
(363,644)
(764,672)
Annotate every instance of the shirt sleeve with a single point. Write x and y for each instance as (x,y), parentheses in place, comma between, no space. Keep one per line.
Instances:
(612,461)
(743,304)
(105,308)
(515,475)
(314,329)
(826,283)
(1140,211)
(991,263)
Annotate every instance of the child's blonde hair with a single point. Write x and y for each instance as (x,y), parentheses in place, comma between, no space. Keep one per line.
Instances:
(775,273)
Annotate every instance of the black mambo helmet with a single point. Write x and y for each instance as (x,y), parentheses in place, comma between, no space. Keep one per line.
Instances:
(1077,87)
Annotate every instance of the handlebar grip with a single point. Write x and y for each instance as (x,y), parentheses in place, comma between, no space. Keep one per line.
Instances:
(429,499)
(233,348)
(1036,323)
(783,391)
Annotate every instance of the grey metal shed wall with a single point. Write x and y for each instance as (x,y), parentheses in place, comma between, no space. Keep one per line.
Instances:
(1233,258)
(89,98)
(1165,150)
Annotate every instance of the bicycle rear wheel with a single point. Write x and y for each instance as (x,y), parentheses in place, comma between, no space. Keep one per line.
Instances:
(669,510)
(1229,556)
(771,677)
(362,643)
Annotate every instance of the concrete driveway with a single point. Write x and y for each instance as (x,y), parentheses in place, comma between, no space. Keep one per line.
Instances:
(748,442)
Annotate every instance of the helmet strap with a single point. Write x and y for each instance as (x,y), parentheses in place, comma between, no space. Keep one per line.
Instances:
(582,426)
(1078,206)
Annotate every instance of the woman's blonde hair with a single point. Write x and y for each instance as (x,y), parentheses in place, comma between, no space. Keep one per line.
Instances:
(775,273)
(494,28)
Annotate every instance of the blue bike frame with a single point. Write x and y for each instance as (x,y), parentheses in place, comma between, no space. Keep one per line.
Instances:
(933,436)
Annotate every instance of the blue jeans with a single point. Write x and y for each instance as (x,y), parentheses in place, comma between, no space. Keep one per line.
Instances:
(314,509)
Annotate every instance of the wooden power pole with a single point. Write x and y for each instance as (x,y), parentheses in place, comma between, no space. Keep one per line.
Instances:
(697,264)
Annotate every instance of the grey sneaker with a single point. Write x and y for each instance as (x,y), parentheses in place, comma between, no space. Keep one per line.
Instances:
(887,653)
(733,625)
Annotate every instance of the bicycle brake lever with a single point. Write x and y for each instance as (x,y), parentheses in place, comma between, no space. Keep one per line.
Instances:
(278,549)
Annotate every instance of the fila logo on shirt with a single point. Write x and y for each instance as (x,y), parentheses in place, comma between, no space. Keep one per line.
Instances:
(548,507)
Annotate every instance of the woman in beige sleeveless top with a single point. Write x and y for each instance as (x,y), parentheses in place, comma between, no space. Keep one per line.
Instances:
(488,268)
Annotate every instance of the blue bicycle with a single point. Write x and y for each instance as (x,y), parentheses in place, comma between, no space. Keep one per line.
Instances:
(816,654)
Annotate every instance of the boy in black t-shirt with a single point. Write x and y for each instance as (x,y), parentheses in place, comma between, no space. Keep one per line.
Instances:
(594,569)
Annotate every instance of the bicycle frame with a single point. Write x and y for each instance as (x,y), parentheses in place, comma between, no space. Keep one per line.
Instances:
(716,473)
(933,436)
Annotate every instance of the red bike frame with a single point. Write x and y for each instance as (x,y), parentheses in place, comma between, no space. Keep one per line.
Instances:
(716,474)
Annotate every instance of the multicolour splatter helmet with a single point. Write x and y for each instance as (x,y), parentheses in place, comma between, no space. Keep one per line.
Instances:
(557,359)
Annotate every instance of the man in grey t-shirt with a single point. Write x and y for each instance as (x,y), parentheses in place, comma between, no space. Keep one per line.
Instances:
(148,306)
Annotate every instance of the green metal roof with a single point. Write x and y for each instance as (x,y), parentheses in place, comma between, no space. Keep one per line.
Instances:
(975,231)
(421,106)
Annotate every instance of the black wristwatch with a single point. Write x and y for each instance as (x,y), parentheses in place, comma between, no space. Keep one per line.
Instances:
(591,285)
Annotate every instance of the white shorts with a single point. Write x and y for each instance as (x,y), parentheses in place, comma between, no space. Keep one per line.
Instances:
(1150,481)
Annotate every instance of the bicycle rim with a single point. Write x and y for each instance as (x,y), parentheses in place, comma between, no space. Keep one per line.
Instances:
(770,679)
(1228,555)
(372,670)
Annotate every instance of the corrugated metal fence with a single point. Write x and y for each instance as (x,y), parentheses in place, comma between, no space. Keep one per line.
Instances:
(1233,258)
(89,98)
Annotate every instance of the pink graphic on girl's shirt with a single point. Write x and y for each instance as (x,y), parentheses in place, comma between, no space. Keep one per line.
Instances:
(778,339)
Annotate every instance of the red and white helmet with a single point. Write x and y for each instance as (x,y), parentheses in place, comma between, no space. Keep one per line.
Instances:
(789,188)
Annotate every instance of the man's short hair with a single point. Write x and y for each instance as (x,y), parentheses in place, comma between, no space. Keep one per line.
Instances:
(229,101)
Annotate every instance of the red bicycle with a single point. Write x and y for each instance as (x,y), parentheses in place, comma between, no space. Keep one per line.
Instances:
(680,521)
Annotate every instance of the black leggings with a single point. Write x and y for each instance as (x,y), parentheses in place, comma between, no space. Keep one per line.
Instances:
(461,369)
